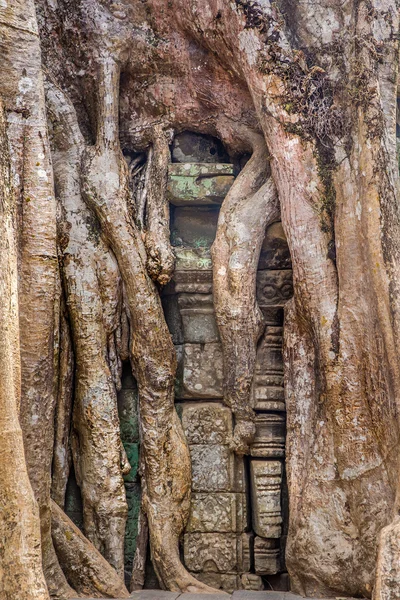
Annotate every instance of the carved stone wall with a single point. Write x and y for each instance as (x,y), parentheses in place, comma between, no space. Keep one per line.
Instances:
(236,532)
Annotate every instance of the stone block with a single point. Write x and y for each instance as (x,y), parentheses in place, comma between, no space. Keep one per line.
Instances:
(244,551)
(155,595)
(210,552)
(193,227)
(207,423)
(269,441)
(190,147)
(217,513)
(275,251)
(266,482)
(198,318)
(190,282)
(212,468)
(266,556)
(200,371)
(267,389)
(274,288)
(192,259)
(227,582)
(198,183)
(250,581)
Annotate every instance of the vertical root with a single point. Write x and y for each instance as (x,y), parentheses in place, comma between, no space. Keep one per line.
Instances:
(166,481)
(249,207)
(160,258)
(92,289)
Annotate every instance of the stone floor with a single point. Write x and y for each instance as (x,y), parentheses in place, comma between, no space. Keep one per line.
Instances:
(238,595)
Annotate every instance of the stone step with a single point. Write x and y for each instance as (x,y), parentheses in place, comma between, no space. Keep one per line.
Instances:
(238,595)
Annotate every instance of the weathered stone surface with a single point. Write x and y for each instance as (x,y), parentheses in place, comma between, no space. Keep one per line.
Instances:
(212,468)
(245,544)
(199,183)
(250,581)
(192,259)
(193,226)
(267,389)
(216,552)
(191,282)
(266,556)
(190,147)
(217,596)
(207,423)
(200,371)
(275,251)
(154,595)
(227,582)
(274,288)
(266,481)
(220,513)
(269,441)
(198,318)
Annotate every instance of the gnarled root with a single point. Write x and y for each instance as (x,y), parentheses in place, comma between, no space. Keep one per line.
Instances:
(92,288)
(85,567)
(160,258)
(166,481)
(249,207)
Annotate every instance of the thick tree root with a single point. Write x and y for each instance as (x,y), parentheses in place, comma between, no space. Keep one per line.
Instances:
(160,258)
(21,574)
(166,481)
(250,205)
(92,288)
(84,566)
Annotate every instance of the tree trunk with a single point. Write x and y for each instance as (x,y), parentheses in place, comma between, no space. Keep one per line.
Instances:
(21,562)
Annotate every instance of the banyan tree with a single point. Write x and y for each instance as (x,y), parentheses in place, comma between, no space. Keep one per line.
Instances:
(199,297)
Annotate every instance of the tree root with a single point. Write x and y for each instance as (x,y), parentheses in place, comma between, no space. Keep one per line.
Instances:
(250,205)
(166,481)
(160,258)
(84,566)
(92,287)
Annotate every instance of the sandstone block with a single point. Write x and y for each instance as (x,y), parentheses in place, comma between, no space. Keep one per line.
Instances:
(198,183)
(200,371)
(215,552)
(227,582)
(212,468)
(269,441)
(266,556)
(194,226)
(173,317)
(207,423)
(266,481)
(275,251)
(274,287)
(252,582)
(192,259)
(198,318)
